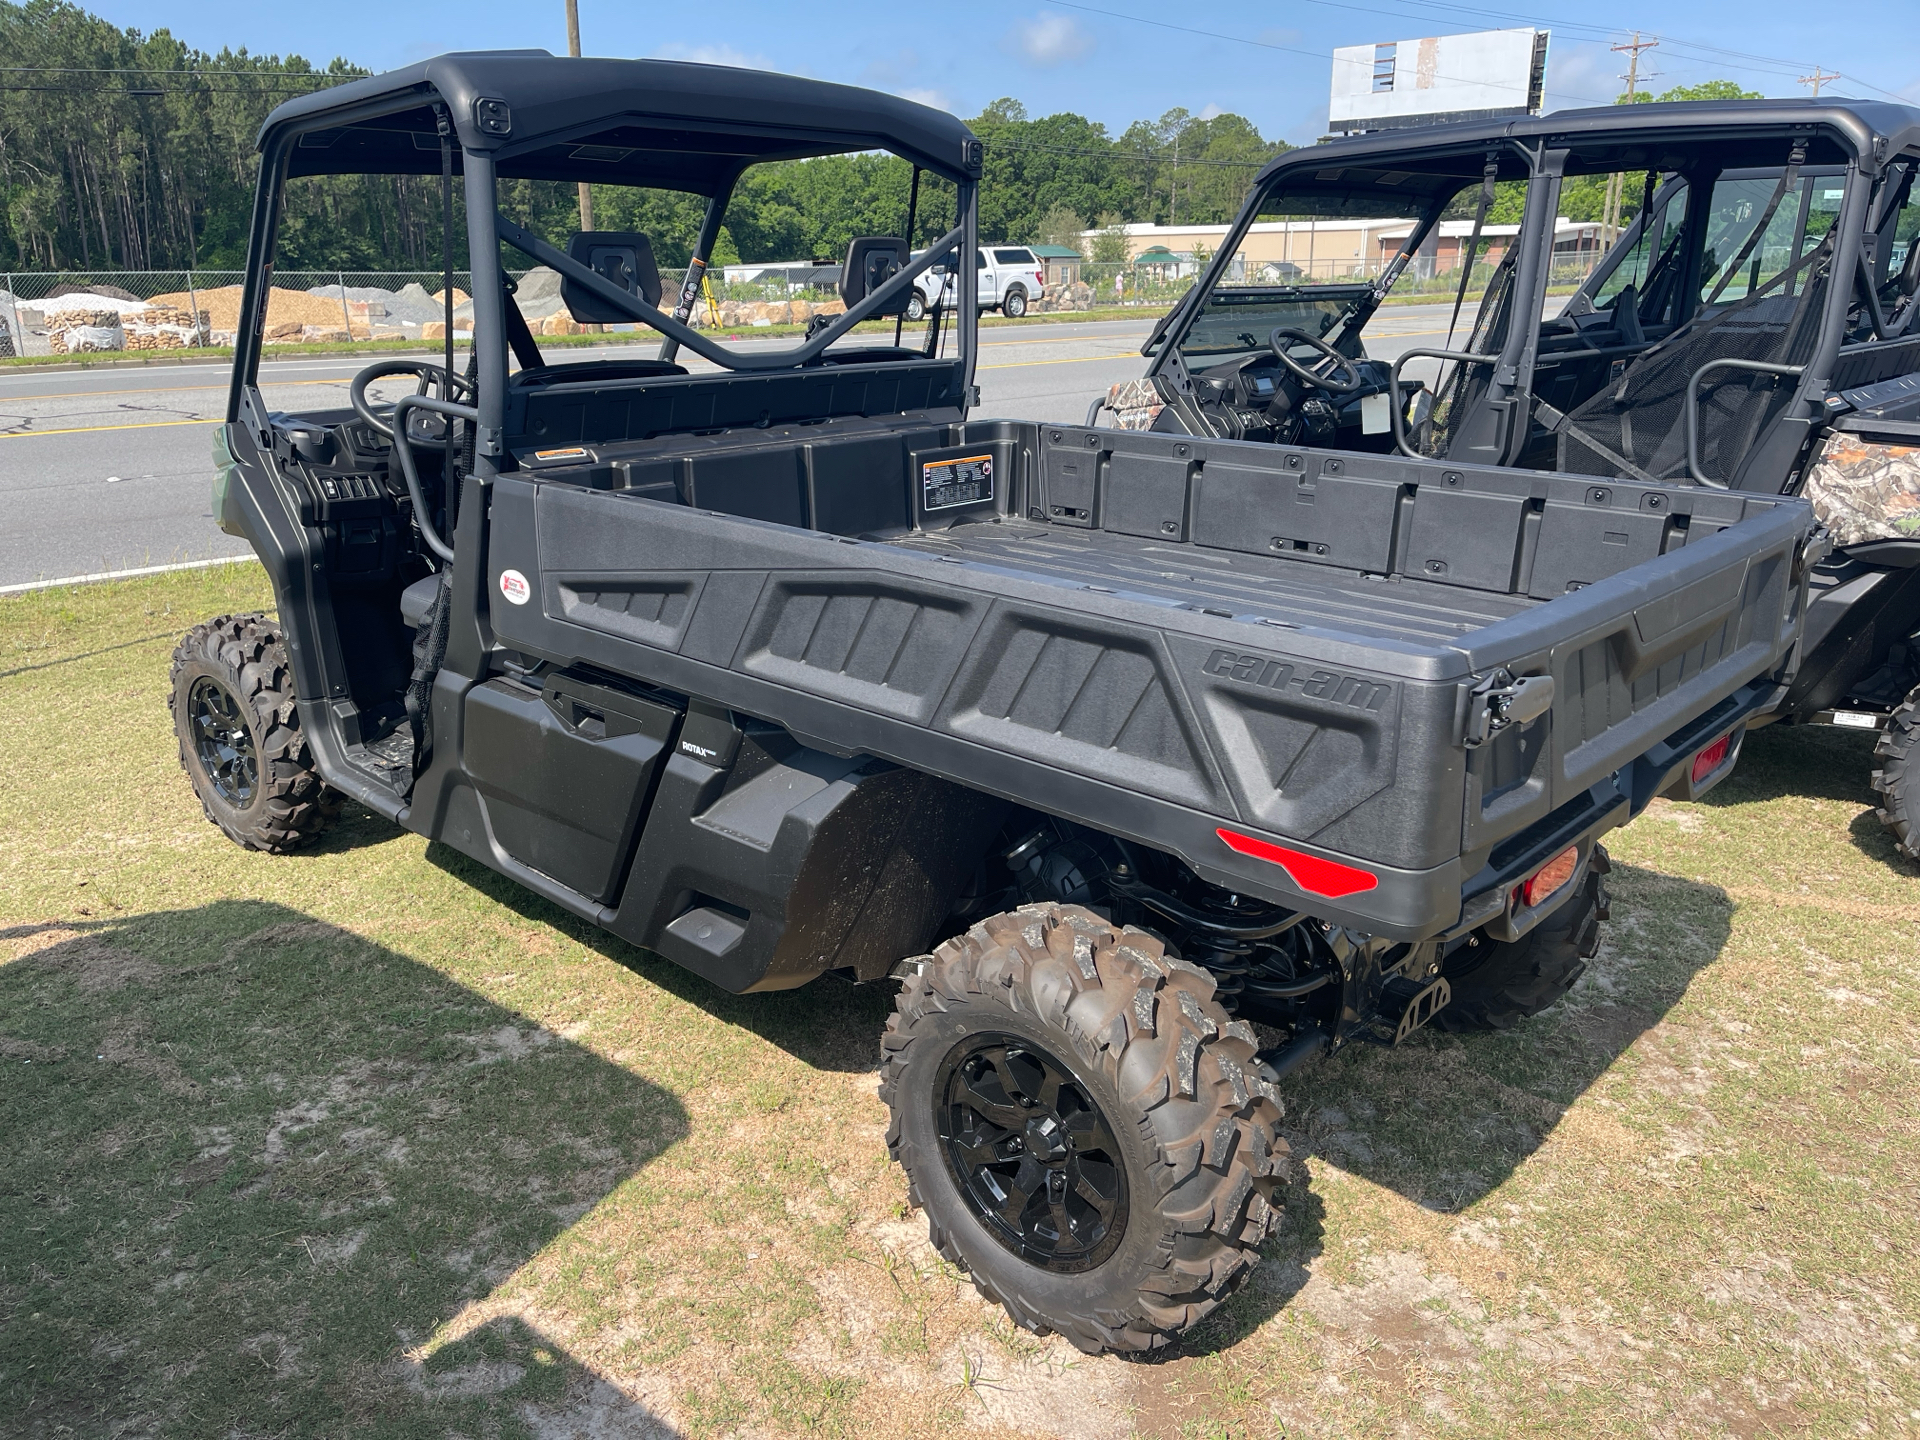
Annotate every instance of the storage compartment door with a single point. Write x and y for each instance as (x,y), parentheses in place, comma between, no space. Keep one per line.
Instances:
(565,774)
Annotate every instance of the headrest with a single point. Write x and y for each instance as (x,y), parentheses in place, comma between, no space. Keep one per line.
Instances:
(872,260)
(624,257)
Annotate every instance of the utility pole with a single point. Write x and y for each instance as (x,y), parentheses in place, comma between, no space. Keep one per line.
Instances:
(573,49)
(1616,182)
(1817,79)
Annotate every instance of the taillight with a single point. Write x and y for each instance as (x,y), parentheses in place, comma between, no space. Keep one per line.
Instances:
(1711,758)
(1551,877)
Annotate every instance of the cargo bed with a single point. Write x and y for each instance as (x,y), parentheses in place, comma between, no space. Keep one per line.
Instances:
(1114,633)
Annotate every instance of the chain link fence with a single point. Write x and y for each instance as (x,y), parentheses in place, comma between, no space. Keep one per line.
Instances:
(76,311)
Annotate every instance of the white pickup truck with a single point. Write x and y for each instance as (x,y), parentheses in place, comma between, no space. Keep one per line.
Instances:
(1008,275)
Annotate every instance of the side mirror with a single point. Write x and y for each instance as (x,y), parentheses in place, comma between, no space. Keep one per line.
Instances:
(622,257)
(872,260)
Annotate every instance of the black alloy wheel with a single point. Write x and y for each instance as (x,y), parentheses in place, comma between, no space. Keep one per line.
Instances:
(1091,1137)
(1032,1153)
(237,722)
(222,740)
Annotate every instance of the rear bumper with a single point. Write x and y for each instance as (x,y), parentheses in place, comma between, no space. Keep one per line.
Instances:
(1490,900)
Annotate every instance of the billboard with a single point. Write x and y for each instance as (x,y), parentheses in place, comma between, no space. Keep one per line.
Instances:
(1443,77)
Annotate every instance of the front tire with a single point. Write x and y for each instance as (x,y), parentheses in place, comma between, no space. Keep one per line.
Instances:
(239,732)
(1088,1133)
(1498,983)
(1897,778)
(1015,305)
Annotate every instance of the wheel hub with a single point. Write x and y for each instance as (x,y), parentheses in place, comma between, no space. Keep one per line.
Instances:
(1032,1152)
(223,742)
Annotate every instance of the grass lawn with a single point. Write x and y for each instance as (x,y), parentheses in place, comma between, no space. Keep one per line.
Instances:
(368,1141)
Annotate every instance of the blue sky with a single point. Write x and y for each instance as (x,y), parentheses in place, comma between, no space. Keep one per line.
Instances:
(1107,62)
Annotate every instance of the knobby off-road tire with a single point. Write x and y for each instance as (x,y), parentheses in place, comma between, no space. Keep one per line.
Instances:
(1190,1116)
(1498,983)
(1897,778)
(239,732)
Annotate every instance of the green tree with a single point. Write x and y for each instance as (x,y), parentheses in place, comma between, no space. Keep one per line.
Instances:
(1110,241)
(1061,226)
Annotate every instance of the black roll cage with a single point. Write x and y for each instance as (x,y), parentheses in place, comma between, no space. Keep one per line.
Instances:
(1544,147)
(487,228)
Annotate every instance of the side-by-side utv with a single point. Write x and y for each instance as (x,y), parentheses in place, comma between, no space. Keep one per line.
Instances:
(1105,746)
(1752,331)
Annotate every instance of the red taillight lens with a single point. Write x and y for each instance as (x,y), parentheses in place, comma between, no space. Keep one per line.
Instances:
(1711,758)
(1551,876)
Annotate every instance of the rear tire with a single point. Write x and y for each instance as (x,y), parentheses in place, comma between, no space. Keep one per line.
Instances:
(1015,303)
(1498,983)
(1897,780)
(239,733)
(1167,1148)
(916,306)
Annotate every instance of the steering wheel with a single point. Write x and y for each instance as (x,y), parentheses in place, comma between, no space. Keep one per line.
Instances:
(1320,377)
(424,428)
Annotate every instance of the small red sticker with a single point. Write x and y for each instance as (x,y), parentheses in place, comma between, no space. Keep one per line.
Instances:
(514,586)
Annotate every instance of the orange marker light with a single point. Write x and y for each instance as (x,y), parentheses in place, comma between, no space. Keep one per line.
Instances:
(1551,877)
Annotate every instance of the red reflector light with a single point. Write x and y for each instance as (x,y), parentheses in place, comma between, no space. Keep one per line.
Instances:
(1551,876)
(1312,874)
(1709,759)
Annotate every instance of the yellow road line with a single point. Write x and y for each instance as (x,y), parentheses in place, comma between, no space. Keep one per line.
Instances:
(96,429)
(1070,360)
(165,390)
(101,394)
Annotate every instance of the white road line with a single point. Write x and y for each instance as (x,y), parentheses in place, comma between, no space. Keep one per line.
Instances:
(124,574)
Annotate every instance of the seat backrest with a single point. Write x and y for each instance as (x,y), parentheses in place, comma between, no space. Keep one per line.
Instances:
(872,260)
(1635,428)
(623,257)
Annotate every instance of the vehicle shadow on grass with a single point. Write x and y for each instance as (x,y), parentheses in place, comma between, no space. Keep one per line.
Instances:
(1820,762)
(1445,1120)
(250,1163)
(829,1024)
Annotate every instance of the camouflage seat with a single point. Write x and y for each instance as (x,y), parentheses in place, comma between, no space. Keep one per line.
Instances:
(1865,490)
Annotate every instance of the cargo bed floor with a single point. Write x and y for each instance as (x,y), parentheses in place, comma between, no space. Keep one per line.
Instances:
(1300,592)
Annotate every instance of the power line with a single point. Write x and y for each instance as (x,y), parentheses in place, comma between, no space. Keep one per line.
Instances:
(1259,44)
(1145,155)
(1603,34)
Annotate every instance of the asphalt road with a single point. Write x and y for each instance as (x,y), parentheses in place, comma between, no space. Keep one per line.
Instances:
(110,469)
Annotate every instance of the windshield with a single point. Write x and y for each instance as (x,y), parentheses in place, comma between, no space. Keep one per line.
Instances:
(1306,261)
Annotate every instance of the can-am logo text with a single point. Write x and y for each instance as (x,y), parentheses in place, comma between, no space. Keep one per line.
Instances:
(1282,675)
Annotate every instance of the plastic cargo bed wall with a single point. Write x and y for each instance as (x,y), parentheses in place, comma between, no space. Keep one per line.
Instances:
(1158,682)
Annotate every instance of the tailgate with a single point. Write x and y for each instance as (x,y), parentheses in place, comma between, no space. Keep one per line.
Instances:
(1636,660)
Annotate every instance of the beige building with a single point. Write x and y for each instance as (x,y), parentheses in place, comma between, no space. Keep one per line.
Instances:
(1340,249)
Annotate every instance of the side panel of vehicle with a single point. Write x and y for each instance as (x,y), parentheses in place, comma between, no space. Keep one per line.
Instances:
(1143,718)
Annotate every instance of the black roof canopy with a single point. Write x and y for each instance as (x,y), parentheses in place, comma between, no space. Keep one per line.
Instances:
(1728,134)
(660,123)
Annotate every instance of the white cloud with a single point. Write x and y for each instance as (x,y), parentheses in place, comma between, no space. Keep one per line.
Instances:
(1049,40)
(1211,111)
(714,55)
(938,99)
